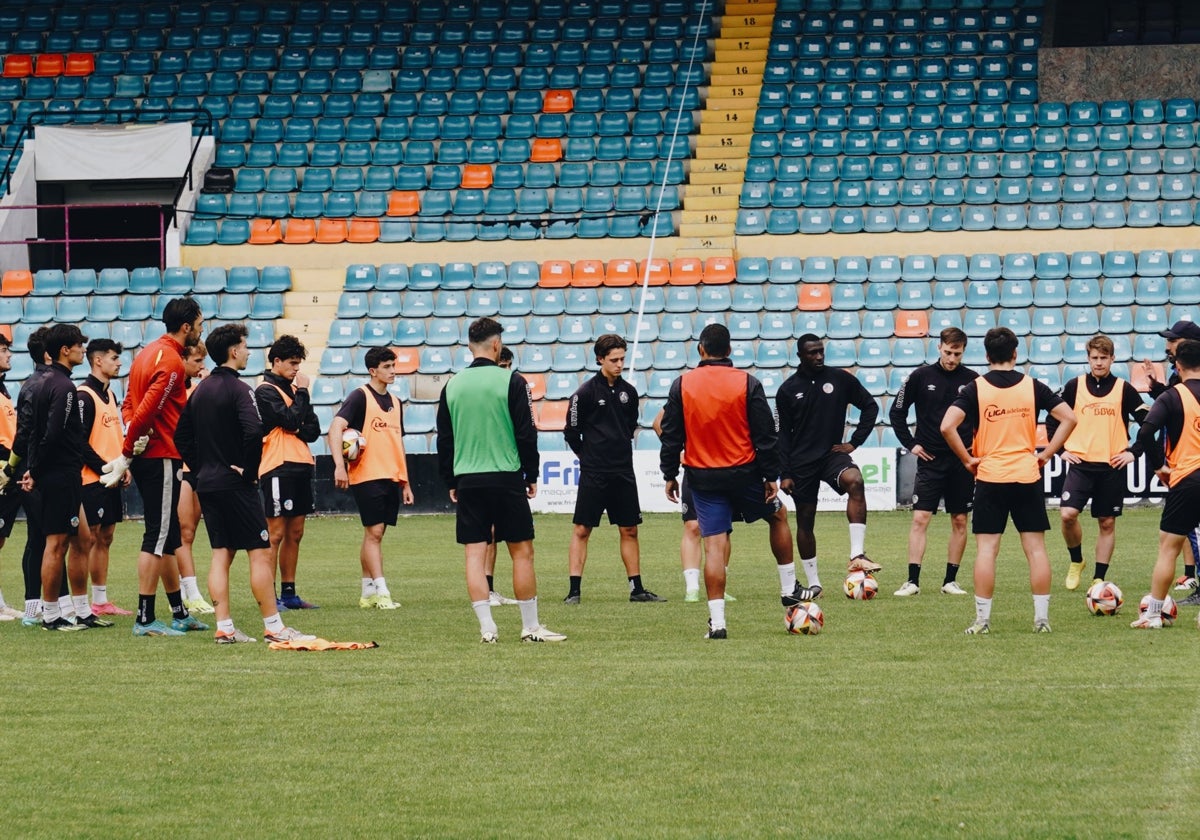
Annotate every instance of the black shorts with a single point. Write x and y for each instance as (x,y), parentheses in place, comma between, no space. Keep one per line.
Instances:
(286,495)
(157,481)
(686,502)
(378,501)
(995,502)
(484,511)
(615,492)
(61,501)
(944,478)
(10,503)
(1181,511)
(102,504)
(234,519)
(1101,483)
(808,477)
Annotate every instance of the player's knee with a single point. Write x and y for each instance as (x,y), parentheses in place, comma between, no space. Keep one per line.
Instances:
(852,483)
(1069,515)
(1107,524)
(629,532)
(583,531)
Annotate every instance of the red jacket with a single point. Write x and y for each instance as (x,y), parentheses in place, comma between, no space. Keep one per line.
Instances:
(155,399)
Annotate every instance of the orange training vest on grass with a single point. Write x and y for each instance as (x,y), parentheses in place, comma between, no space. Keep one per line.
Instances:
(1184,455)
(714,418)
(281,446)
(383,456)
(107,436)
(1006,439)
(1101,432)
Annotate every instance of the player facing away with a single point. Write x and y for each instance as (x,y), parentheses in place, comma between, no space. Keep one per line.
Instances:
(718,424)
(489,559)
(188,509)
(102,438)
(812,406)
(10,496)
(286,472)
(602,417)
(379,478)
(220,437)
(56,464)
(1003,407)
(1098,452)
(488,457)
(155,398)
(1187,582)
(1177,412)
(941,477)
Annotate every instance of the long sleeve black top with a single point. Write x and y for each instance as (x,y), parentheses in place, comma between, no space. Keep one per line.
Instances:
(930,389)
(601,420)
(218,430)
(56,442)
(812,415)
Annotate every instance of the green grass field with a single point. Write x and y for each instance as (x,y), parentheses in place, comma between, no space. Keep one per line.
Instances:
(891,723)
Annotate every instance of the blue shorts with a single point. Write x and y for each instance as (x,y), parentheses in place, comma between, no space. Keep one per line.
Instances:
(716,511)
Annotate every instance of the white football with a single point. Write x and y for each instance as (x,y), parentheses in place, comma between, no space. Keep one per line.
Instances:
(353,443)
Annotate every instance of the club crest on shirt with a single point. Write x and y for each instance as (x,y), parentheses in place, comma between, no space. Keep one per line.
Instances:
(623,397)
(827,387)
(74,521)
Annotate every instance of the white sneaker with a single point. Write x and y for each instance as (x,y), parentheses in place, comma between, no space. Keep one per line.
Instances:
(287,634)
(495,599)
(489,638)
(952,588)
(1147,623)
(6,617)
(11,613)
(909,588)
(541,634)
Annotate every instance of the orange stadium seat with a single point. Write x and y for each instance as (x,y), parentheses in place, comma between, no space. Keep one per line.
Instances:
(555,274)
(546,150)
(16,282)
(476,176)
(558,102)
(265,231)
(6,331)
(80,64)
(300,231)
(363,230)
(49,64)
(621,273)
(687,271)
(18,66)
(404,203)
(660,271)
(720,270)
(815,297)
(537,384)
(912,324)
(407,360)
(331,231)
(587,273)
(552,415)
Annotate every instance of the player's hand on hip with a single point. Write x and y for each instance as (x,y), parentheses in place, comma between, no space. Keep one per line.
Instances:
(1121,459)
(921,454)
(1069,457)
(842,447)
(770,491)
(972,464)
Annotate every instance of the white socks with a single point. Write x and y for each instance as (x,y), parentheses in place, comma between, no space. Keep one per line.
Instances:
(368,587)
(858,536)
(483,611)
(225,625)
(810,570)
(716,613)
(80,603)
(1154,608)
(1041,607)
(100,595)
(380,586)
(787,578)
(691,580)
(66,607)
(273,623)
(191,591)
(529,614)
(32,606)
(983,609)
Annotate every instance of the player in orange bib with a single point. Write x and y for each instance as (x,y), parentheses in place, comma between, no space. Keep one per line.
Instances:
(103,434)
(1177,412)
(1003,407)
(11,496)
(379,478)
(1098,452)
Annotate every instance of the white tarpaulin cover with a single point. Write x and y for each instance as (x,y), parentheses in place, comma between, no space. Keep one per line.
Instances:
(112,152)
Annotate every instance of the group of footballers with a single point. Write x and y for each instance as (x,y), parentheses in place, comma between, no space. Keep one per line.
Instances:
(242,456)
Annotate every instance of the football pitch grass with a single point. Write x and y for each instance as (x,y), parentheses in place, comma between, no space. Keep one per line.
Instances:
(891,723)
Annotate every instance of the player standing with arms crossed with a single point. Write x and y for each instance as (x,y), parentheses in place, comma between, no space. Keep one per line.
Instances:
(941,477)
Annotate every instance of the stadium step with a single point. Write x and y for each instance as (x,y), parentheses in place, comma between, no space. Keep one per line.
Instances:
(707,224)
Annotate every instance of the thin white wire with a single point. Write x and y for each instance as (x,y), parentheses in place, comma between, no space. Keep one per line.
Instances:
(637,330)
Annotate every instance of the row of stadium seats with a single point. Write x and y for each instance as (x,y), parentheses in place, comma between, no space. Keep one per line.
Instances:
(852,22)
(165,14)
(1044,267)
(172,281)
(229,306)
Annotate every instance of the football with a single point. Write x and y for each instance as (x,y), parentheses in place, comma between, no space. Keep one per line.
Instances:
(1104,598)
(804,619)
(353,443)
(1170,610)
(861,586)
